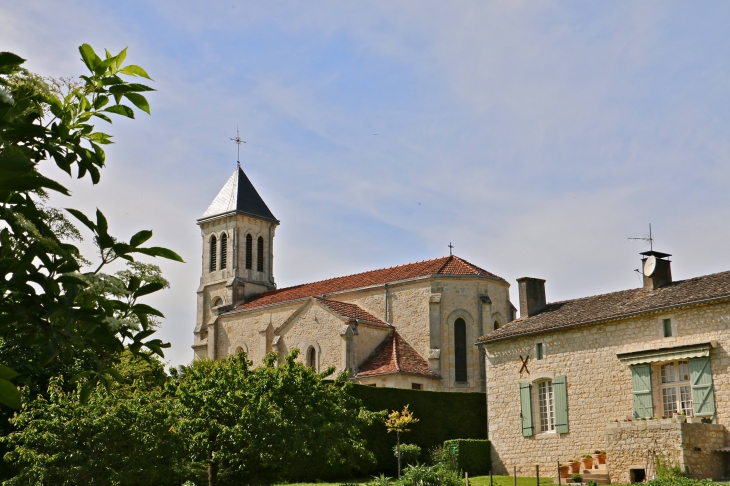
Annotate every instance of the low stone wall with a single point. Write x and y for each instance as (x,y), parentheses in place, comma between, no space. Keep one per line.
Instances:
(691,446)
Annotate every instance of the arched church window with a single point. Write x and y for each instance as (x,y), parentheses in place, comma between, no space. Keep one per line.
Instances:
(260,255)
(312,358)
(460,349)
(213,253)
(249,252)
(496,325)
(224,250)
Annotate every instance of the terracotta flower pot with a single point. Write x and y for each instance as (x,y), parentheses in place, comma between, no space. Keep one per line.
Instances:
(601,458)
(587,463)
(574,467)
(564,472)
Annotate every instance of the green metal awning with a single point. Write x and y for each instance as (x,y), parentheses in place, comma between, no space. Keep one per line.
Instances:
(665,354)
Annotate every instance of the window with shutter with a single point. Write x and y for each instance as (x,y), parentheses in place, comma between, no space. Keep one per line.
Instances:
(260,255)
(526,409)
(641,383)
(703,396)
(213,253)
(249,252)
(224,251)
(560,389)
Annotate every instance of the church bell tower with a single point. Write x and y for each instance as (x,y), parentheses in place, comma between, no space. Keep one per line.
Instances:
(238,258)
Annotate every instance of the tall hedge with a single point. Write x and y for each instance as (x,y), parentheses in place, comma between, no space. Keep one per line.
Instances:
(442,416)
(472,455)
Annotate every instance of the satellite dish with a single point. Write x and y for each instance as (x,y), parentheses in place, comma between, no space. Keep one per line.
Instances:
(649,265)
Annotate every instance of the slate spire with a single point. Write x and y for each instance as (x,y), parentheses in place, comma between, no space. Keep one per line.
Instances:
(239,196)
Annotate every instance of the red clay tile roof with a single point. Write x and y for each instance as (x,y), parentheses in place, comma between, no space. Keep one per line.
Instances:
(352,311)
(394,355)
(615,305)
(450,265)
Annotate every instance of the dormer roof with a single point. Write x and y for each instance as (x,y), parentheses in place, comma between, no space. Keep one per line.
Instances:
(238,196)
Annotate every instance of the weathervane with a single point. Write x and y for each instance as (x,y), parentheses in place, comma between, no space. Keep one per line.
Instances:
(649,239)
(451,247)
(238,142)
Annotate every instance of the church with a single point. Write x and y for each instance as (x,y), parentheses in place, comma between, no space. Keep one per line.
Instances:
(408,326)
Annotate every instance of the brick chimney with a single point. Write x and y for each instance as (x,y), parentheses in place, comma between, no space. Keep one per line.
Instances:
(656,269)
(532,296)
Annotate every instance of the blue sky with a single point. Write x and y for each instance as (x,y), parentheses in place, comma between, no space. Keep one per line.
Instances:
(535,136)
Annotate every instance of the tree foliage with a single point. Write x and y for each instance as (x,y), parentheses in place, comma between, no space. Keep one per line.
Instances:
(49,302)
(399,422)
(125,436)
(265,423)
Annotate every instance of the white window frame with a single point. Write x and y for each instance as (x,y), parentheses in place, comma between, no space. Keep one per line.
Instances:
(543,409)
(670,379)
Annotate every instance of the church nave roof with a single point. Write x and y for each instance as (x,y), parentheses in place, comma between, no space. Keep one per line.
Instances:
(450,265)
(352,311)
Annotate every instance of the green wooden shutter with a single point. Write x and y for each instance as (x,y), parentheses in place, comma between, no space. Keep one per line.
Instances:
(641,381)
(526,409)
(560,389)
(703,397)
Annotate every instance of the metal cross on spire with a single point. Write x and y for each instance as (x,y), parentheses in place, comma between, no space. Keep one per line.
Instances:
(238,143)
(451,248)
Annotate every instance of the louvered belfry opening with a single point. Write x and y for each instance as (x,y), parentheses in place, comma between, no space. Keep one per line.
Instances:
(460,349)
(213,253)
(249,252)
(260,255)
(224,250)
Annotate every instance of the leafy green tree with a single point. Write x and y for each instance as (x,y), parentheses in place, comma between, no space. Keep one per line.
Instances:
(48,302)
(399,422)
(125,436)
(264,423)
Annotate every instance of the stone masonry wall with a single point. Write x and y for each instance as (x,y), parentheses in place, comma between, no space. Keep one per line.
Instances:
(599,385)
(409,310)
(635,445)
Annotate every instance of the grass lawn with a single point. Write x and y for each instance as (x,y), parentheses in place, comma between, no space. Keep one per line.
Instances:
(475,481)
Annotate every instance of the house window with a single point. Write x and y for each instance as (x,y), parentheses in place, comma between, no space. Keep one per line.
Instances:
(546,406)
(224,250)
(260,255)
(213,253)
(540,351)
(460,350)
(676,389)
(312,358)
(667,327)
(496,325)
(416,386)
(249,252)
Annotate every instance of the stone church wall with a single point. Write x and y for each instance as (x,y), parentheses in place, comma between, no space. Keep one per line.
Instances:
(599,385)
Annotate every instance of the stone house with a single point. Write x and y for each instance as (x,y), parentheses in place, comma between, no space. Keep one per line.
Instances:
(408,326)
(560,376)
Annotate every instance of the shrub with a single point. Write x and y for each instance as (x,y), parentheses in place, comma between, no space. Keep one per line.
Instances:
(409,453)
(471,455)
(423,475)
(680,482)
(438,422)
(668,469)
(577,478)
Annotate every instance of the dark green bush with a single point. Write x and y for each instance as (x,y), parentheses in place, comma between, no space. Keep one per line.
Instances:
(442,416)
(680,482)
(471,455)
(409,453)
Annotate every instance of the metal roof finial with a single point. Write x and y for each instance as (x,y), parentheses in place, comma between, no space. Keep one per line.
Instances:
(238,143)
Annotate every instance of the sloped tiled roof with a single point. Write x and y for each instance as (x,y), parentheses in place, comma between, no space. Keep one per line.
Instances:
(394,355)
(239,195)
(625,303)
(450,265)
(352,311)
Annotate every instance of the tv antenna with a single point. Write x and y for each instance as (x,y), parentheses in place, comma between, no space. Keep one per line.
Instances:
(238,143)
(650,239)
